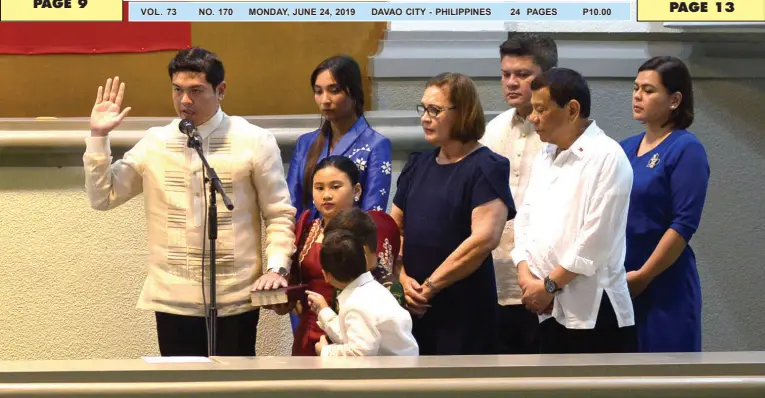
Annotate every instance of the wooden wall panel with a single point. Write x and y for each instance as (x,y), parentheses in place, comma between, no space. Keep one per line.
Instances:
(268,67)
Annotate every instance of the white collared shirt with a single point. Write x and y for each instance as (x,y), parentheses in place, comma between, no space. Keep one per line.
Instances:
(575,216)
(371,322)
(169,174)
(514,138)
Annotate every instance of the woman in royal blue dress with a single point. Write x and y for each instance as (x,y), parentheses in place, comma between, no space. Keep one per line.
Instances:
(451,206)
(671,174)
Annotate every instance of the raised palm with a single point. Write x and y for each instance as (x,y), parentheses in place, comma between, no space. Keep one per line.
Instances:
(106,113)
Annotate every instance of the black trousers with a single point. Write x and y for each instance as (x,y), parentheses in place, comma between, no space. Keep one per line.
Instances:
(187,335)
(518,331)
(606,337)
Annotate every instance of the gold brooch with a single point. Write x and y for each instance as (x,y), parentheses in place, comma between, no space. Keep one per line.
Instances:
(654,161)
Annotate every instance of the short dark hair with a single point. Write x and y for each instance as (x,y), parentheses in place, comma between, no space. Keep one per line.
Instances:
(342,255)
(358,223)
(565,85)
(542,49)
(198,60)
(470,123)
(675,77)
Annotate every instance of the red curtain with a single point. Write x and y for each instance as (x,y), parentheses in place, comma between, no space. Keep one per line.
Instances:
(93,37)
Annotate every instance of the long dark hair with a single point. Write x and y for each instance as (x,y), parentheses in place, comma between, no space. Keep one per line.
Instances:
(347,74)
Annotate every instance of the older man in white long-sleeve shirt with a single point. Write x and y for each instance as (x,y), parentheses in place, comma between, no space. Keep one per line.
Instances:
(570,231)
(170,176)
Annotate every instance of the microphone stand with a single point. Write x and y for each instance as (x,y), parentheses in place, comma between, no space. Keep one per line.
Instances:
(195,142)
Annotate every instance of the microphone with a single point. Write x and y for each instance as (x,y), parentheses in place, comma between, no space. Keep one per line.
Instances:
(187,127)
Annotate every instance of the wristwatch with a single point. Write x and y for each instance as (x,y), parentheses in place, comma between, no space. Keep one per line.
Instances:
(551,286)
(283,272)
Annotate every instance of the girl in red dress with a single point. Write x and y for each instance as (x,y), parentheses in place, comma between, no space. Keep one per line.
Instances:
(335,188)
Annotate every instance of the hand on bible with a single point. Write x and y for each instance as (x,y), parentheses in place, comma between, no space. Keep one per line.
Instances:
(106,114)
(269,281)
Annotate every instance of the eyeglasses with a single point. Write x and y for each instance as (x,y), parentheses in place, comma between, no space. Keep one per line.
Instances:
(433,111)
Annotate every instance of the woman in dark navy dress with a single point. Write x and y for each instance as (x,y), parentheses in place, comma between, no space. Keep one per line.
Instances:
(451,206)
(671,174)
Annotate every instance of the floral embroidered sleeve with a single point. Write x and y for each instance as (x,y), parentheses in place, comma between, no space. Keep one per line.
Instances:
(384,272)
(376,175)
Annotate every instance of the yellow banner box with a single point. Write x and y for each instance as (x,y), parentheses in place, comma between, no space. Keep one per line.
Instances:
(701,11)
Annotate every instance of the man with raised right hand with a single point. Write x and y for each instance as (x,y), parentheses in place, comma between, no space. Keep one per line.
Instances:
(170,176)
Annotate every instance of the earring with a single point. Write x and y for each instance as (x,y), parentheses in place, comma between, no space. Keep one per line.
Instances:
(356,199)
